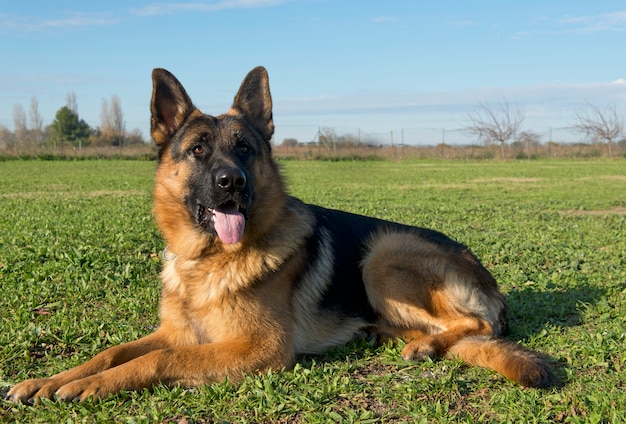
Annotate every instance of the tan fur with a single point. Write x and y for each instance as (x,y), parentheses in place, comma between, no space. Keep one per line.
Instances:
(290,284)
(431,315)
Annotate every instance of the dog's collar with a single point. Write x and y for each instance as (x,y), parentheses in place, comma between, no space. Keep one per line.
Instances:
(167,256)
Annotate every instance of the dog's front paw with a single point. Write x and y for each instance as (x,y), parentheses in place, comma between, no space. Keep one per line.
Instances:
(93,387)
(30,391)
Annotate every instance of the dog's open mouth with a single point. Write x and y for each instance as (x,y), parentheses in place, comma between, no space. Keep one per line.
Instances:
(228,220)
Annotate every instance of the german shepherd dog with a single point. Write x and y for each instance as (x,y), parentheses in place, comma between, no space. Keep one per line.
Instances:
(255,277)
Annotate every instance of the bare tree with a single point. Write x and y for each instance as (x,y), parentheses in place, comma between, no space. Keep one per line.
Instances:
(119,126)
(112,122)
(495,124)
(134,136)
(599,124)
(106,125)
(529,139)
(6,138)
(71,103)
(36,120)
(19,124)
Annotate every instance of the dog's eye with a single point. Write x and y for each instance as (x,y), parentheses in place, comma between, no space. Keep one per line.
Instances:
(197,150)
(243,148)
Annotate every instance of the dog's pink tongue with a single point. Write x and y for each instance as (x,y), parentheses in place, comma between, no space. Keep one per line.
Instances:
(229,224)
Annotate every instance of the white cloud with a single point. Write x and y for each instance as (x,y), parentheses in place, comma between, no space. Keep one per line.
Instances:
(211,6)
(548,97)
(79,20)
(615,21)
(604,22)
(73,21)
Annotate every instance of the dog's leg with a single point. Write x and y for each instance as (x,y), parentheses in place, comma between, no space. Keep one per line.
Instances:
(423,344)
(30,390)
(185,365)
(424,294)
(444,304)
(428,334)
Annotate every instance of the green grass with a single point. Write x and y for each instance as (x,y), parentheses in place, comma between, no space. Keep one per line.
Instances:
(79,273)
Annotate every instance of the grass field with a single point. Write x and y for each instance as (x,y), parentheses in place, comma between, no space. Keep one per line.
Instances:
(79,263)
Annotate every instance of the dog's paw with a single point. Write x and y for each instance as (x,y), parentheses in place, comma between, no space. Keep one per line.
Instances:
(415,351)
(93,387)
(30,391)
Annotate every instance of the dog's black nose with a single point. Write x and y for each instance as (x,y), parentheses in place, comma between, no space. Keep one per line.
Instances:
(230,179)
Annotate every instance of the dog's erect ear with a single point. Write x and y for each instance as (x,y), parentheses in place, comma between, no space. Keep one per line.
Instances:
(170,106)
(254,102)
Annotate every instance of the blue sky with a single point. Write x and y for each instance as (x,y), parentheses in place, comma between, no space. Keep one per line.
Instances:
(409,67)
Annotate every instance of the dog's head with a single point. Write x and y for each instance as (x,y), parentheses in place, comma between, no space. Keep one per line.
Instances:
(215,173)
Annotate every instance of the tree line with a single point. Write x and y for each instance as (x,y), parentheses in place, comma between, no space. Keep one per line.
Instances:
(493,125)
(501,125)
(67,129)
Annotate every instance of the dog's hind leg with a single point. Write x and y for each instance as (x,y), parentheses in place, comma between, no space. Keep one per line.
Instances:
(441,301)
(427,295)
(428,331)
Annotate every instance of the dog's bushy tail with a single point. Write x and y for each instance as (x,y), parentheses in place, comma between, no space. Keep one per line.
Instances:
(512,360)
